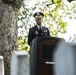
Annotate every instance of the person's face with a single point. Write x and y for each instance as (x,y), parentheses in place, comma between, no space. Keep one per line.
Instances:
(39,21)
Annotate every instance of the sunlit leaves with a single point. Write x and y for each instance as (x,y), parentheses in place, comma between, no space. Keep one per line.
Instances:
(53,18)
(23,43)
(46,13)
(63,25)
(58,3)
(56,14)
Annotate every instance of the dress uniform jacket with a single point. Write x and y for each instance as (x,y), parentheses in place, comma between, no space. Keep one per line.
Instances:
(36,32)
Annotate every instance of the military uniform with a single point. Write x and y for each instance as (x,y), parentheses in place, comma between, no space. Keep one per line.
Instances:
(36,31)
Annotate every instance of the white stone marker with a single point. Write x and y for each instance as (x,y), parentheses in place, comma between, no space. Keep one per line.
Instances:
(19,63)
(65,59)
(1,65)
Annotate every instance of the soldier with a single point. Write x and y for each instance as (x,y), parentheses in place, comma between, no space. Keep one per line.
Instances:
(38,30)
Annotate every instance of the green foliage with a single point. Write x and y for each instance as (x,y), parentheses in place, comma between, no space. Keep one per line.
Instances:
(53,18)
(23,43)
(21,2)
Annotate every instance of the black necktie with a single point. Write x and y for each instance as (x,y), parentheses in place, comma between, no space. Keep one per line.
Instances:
(40,31)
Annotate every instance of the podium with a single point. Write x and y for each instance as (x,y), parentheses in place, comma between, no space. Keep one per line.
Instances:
(41,55)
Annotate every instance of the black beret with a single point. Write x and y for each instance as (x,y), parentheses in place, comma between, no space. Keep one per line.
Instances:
(40,14)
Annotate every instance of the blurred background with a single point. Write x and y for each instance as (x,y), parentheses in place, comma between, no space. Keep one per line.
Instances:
(60,18)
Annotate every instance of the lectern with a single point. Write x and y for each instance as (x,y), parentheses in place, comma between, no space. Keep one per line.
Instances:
(41,55)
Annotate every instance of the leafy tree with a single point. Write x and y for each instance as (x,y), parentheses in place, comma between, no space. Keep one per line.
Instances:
(54,14)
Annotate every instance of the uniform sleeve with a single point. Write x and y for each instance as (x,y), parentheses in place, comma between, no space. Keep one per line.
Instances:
(30,36)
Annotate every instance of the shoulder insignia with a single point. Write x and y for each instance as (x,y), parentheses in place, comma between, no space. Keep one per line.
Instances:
(45,30)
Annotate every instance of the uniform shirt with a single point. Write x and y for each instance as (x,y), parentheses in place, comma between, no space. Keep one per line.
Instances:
(36,32)
(39,27)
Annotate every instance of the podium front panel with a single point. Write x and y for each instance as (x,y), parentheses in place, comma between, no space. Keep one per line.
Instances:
(44,69)
(41,55)
(46,49)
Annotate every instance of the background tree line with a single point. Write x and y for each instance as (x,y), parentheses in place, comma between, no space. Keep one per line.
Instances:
(55,13)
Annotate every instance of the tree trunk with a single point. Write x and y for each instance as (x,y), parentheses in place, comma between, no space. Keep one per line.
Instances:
(8,31)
